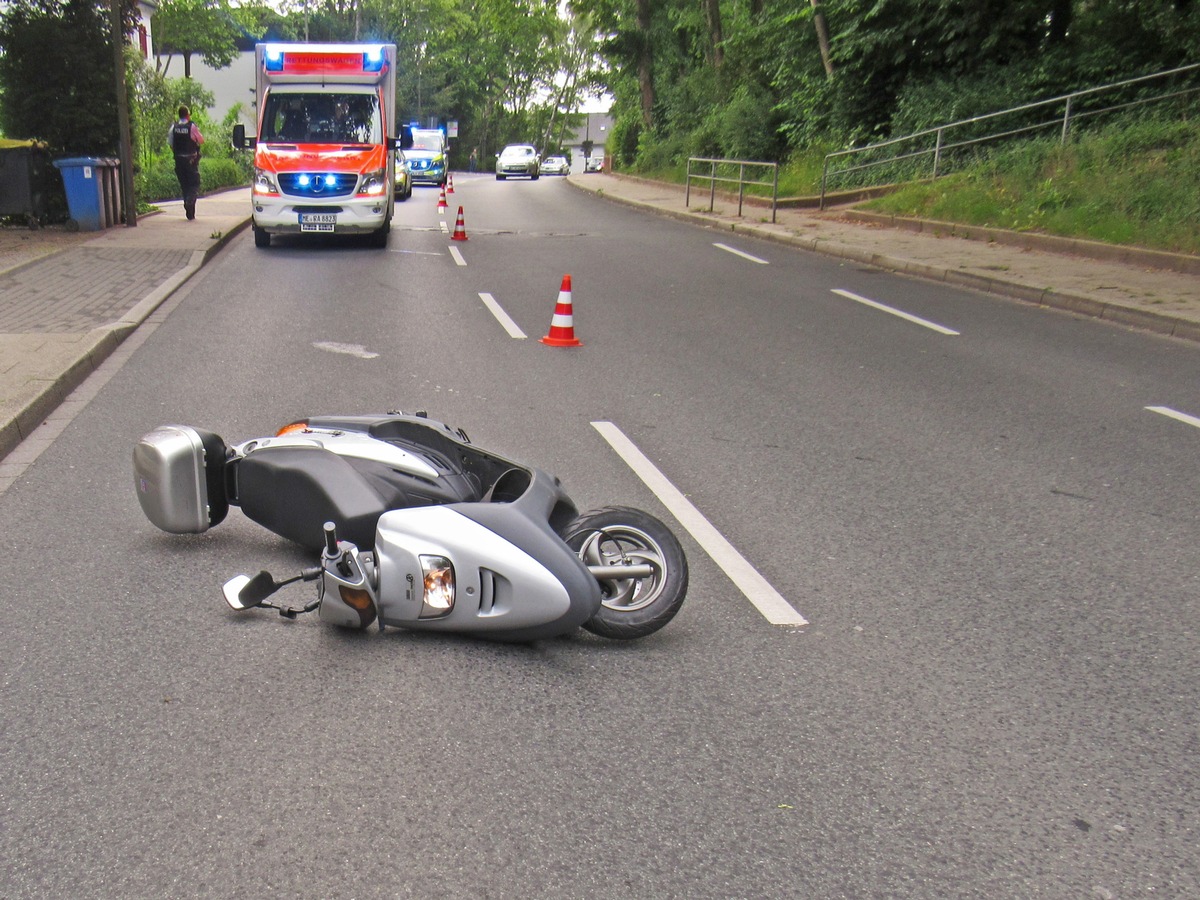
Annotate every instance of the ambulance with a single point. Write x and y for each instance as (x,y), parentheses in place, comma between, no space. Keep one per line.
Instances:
(325,149)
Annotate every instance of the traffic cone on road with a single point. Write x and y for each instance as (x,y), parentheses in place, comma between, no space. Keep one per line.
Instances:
(460,230)
(562,326)
(449,182)
(442,199)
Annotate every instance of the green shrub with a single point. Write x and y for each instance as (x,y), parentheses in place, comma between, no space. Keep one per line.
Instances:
(623,140)
(746,127)
(158,182)
(217,174)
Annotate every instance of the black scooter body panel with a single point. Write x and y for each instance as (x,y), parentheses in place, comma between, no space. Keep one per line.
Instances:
(294,491)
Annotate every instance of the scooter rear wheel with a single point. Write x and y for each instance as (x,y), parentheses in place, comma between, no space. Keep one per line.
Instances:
(632,607)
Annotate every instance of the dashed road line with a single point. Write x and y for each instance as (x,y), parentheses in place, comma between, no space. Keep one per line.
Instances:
(757,589)
(514,331)
(736,252)
(908,317)
(1175,414)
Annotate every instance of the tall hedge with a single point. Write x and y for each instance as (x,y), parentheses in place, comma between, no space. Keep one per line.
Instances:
(57,76)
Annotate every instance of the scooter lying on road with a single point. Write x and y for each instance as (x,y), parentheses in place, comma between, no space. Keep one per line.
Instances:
(418,528)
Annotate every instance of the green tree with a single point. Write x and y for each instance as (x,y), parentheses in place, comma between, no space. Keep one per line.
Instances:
(204,28)
(691,76)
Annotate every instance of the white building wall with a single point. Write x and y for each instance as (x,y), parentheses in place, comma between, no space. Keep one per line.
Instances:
(230,85)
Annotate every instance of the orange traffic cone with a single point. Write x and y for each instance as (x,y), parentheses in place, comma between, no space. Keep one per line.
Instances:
(562,326)
(442,199)
(449,182)
(460,230)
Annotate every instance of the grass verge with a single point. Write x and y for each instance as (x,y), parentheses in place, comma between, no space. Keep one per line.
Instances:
(1137,184)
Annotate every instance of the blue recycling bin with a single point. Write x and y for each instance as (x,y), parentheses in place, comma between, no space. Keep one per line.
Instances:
(85,178)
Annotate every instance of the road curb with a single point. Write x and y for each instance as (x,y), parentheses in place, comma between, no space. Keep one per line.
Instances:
(1028,240)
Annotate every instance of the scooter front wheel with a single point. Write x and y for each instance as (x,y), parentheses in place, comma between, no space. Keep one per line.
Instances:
(619,535)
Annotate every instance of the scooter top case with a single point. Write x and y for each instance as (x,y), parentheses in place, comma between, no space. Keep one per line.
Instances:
(179,476)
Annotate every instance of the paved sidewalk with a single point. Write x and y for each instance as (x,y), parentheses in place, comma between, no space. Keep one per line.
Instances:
(68,299)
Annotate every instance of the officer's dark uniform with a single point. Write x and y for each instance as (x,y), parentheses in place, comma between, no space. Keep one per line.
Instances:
(187,164)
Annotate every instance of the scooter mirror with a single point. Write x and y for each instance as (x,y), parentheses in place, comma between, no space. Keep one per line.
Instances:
(244,592)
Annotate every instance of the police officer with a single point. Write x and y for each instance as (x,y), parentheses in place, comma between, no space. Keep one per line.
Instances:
(185,144)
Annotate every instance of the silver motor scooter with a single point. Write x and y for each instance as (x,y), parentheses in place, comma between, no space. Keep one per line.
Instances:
(418,528)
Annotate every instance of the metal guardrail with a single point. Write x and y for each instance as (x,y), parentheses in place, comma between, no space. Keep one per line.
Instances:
(941,147)
(725,175)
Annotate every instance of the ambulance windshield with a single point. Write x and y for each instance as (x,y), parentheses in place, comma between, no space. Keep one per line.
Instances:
(301,118)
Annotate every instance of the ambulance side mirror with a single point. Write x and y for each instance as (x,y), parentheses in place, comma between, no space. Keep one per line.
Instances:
(406,138)
(240,141)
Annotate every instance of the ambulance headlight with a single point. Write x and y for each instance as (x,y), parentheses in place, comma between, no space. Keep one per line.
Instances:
(373,184)
(264,182)
(438,597)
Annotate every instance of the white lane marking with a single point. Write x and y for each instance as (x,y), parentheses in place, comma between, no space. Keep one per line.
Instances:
(754,259)
(941,329)
(502,317)
(1175,414)
(758,591)
(445,228)
(349,349)
(458,257)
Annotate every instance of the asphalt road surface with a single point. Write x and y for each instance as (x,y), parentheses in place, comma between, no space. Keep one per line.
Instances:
(985,513)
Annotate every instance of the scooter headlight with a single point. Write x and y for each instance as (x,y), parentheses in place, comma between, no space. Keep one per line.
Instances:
(438,598)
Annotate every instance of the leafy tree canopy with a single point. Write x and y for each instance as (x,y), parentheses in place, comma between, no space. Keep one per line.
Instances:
(204,28)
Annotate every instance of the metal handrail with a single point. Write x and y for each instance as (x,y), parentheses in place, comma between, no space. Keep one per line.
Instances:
(940,146)
(741,180)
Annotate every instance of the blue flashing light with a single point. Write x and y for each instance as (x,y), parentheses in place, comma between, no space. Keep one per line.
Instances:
(273,59)
(373,60)
(330,180)
(303,180)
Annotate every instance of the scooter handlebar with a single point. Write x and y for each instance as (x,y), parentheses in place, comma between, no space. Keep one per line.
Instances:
(331,548)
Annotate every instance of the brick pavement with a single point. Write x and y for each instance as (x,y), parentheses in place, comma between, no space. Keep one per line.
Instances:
(82,290)
(68,299)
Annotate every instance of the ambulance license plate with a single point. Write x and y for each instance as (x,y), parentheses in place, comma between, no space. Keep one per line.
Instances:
(317,221)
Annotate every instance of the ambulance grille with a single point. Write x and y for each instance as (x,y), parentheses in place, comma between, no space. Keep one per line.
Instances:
(330,184)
